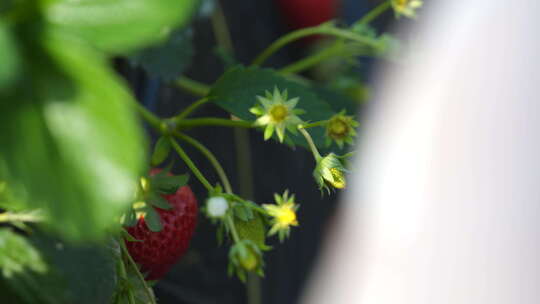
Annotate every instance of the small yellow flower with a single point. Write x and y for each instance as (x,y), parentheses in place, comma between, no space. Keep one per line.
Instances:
(341,129)
(283,214)
(330,172)
(277,114)
(406,8)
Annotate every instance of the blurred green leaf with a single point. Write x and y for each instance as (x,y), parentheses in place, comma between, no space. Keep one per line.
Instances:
(237,89)
(168,60)
(77,274)
(10,61)
(337,100)
(70,143)
(17,255)
(120,26)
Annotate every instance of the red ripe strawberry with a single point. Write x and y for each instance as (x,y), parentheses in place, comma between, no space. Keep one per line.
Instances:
(305,13)
(158,251)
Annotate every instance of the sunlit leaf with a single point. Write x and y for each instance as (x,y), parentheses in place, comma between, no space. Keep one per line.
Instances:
(120,26)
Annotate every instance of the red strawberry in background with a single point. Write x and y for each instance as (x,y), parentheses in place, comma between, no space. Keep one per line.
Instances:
(304,13)
(157,252)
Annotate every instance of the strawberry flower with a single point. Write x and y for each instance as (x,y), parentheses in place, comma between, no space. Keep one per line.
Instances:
(406,8)
(277,113)
(340,128)
(330,172)
(283,214)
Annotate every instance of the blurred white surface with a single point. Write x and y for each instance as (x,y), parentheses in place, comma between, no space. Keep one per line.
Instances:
(444,206)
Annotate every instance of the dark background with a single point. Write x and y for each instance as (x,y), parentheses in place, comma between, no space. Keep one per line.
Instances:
(201,275)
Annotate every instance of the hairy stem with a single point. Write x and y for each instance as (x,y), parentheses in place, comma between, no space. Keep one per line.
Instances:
(213,121)
(232,227)
(192,107)
(150,117)
(307,62)
(374,13)
(310,142)
(193,87)
(137,272)
(315,124)
(211,158)
(123,275)
(26,216)
(323,29)
(191,165)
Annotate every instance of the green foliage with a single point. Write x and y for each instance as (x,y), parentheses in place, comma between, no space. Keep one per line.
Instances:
(235,92)
(72,145)
(119,26)
(167,60)
(167,184)
(157,200)
(10,60)
(73,274)
(152,219)
(18,255)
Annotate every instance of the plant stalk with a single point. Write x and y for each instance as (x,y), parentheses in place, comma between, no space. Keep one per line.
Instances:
(193,87)
(212,121)
(137,272)
(211,158)
(323,29)
(310,142)
(191,165)
(374,13)
(190,109)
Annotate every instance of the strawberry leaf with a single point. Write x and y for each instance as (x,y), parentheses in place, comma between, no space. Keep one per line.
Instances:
(157,200)
(161,151)
(119,26)
(153,221)
(130,218)
(168,184)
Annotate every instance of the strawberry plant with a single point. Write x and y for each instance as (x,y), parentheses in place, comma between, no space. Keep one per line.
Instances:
(82,217)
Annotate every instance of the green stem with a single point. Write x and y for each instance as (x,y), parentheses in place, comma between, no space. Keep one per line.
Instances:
(192,107)
(323,29)
(191,86)
(212,121)
(374,13)
(137,272)
(28,216)
(310,142)
(221,29)
(223,38)
(315,124)
(210,156)
(281,42)
(152,119)
(234,233)
(191,165)
(307,62)
(123,275)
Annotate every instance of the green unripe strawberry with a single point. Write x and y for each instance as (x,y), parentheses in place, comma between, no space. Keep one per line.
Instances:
(250,261)
(252,230)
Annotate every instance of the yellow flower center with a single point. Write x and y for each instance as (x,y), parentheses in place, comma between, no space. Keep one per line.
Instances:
(279,112)
(339,179)
(286,217)
(338,128)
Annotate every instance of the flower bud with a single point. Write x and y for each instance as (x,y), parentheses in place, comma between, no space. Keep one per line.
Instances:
(216,206)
